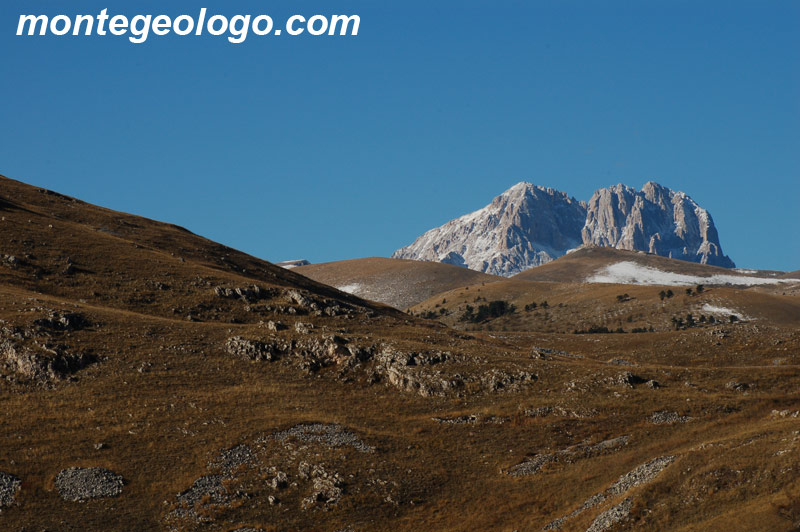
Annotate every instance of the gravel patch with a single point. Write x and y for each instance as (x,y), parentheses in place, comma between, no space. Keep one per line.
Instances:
(533,464)
(667,418)
(641,475)
(9,486)
(209,485)
(620,362)
(232,459)
(559,411)
(330,435)
(471,419)
(611,517)
(79,484)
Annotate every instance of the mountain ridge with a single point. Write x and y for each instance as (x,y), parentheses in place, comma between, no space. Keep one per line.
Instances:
(529,225)
(506,236)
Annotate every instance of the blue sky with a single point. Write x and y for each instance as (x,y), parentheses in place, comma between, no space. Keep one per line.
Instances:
(340,147)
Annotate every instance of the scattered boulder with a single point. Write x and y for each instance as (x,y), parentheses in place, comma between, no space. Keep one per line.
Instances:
(280,481)
(326,491)
(276,326)
(327,487)
(295,296)
(496,380)
(11,260)
(66,321)
(737,386)
(78,484)
(629,380)
(248,294)
(303,328)
(319,306)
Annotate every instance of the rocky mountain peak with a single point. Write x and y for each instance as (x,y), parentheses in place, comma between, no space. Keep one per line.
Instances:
(528,225)
(657,220)
(525,226)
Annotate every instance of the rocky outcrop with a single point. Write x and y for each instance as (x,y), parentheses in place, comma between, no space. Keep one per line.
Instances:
(43,365)
(251,349)
(63,321)
(428,374)
(525,226)
(657,220)
(529,225)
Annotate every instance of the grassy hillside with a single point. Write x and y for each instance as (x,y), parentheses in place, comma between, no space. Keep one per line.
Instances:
(228,393)
(395,282)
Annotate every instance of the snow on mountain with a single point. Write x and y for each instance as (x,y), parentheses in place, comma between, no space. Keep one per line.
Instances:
(657,220)
(525,226)
(290,264)
(632,273)
(530,225)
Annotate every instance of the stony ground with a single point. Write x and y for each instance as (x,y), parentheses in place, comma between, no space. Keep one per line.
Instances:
(153,380)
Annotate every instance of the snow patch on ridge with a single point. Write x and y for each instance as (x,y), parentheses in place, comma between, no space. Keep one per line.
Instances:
(633,273)
(723,311)
(352,288)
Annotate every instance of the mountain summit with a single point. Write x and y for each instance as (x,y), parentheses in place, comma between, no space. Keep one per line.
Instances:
(529,225)
(657,220)
(525,226)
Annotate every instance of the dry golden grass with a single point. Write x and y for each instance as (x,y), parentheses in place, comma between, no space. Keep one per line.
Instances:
(397,282)
(736,461)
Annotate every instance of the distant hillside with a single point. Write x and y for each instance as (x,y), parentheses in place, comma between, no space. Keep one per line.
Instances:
(566,307)
(396,282)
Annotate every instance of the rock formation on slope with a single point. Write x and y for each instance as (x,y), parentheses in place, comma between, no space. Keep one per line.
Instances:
(529,225)
(525,226)
(657,220)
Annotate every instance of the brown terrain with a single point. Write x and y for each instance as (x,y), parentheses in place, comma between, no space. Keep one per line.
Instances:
(155,380)
(399,283)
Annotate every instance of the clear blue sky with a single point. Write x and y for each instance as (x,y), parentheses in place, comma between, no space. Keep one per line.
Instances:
(333,148)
